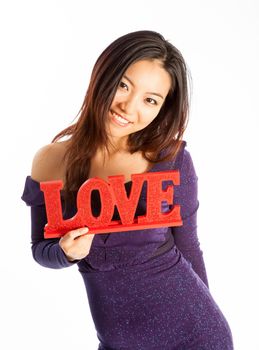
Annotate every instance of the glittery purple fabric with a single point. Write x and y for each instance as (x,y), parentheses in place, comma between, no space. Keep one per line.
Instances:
(147,289)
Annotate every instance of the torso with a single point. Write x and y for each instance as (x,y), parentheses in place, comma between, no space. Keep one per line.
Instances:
(120,164)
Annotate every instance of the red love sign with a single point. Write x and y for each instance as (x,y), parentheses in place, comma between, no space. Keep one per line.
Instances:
(113,193)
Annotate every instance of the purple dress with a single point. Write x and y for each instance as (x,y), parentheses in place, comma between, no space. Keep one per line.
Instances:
(147,289)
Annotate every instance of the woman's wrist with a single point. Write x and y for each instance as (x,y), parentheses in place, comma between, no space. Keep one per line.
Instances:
(69,258)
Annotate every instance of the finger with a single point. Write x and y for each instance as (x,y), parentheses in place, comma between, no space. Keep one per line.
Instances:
(78,232)
(88,236)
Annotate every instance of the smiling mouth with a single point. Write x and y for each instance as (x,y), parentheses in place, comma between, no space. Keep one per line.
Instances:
(120,119)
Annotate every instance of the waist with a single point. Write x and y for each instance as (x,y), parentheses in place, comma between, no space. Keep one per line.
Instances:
(165,247)
(106,259)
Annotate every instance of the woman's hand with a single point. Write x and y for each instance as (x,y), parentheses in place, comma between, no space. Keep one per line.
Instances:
(76,244)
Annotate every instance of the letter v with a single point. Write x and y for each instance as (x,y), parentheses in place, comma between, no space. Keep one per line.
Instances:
(126,206)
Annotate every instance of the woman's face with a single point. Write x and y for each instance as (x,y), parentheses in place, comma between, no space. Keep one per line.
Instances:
(138,99)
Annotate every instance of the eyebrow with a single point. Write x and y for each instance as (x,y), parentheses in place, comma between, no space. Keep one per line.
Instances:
(152,93)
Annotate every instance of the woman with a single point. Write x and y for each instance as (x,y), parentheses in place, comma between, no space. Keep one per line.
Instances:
(147,289)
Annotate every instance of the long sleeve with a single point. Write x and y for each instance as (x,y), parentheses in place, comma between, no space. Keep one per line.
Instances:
(185,236)
(46,252)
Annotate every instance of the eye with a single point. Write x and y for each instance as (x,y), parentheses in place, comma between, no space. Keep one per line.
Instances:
(155,103)
(121,83)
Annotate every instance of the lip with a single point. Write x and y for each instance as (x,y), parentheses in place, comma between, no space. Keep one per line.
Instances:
(118,123)
(121,116)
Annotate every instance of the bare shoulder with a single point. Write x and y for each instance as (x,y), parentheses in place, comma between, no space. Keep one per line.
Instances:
(48,162)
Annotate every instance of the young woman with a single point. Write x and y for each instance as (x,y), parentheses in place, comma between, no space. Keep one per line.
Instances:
(147,289)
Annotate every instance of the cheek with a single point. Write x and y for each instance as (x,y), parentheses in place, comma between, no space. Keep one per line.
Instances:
(149,116)
(118,96)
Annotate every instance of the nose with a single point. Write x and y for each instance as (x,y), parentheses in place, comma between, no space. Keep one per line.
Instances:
(129,105)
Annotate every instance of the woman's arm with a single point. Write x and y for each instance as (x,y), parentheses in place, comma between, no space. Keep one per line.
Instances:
(46,252)
(45,166)
(186,237)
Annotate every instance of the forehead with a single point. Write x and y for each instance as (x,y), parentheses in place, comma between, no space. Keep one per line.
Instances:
(149,75)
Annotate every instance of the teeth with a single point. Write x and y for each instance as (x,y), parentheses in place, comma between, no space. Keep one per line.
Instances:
(122,120)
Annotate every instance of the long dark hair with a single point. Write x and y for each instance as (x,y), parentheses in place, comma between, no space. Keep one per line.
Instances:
(165,132)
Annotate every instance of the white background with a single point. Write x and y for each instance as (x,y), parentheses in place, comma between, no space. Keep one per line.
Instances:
(48,49)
